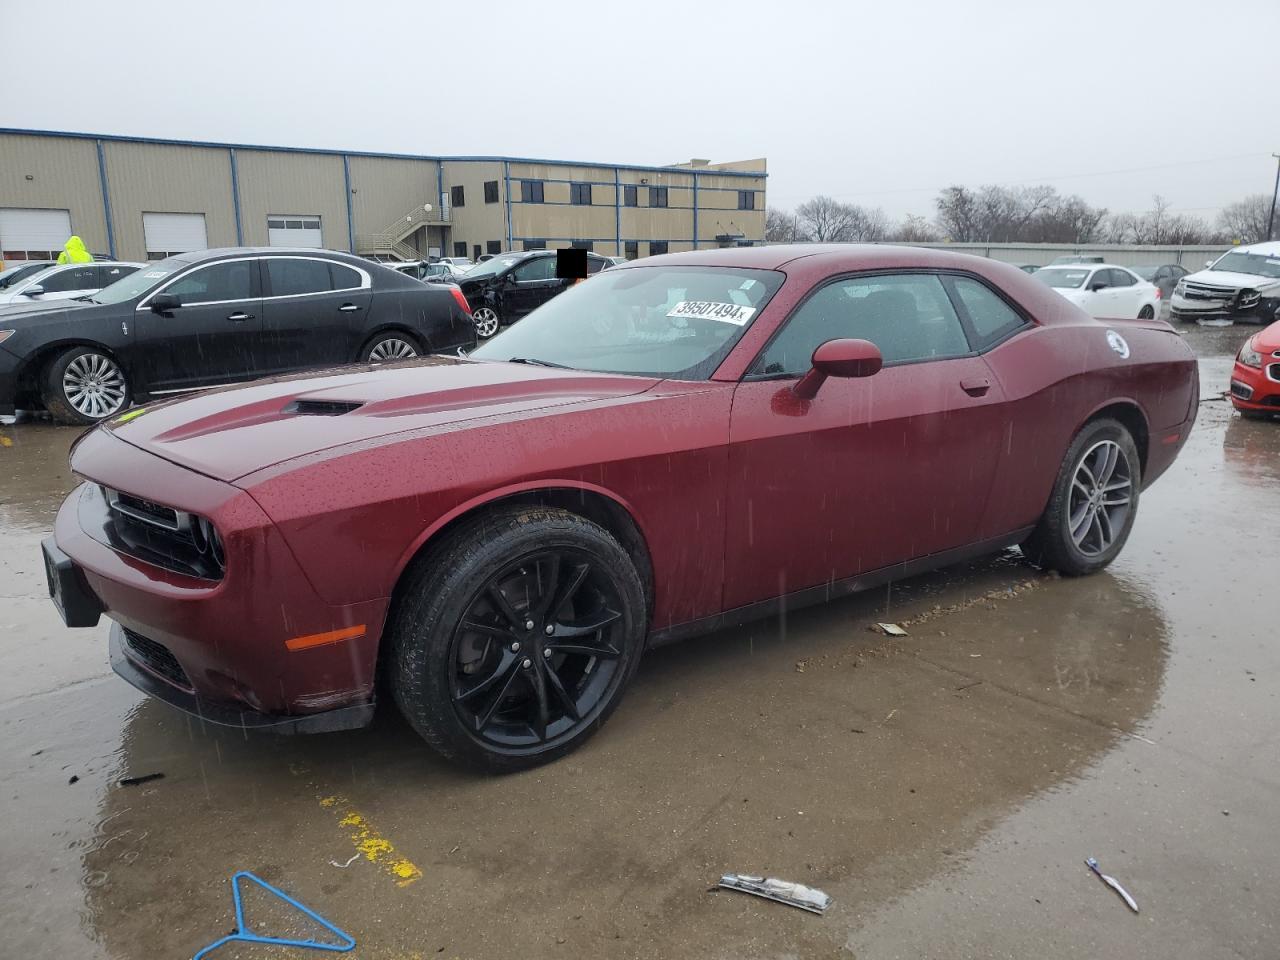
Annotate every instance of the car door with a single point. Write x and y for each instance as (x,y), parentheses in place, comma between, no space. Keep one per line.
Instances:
(871,472)
(66,283)
(1127,293)
(212,337)
(314,311)
(530,284)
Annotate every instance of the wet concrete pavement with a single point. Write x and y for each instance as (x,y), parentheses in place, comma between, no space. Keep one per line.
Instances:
(944,788)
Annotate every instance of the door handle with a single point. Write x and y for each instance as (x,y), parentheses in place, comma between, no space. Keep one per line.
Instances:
(975,386)
(348,308)
(240,317)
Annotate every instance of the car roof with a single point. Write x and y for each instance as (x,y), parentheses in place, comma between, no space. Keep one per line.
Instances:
(199,256)
(1268,249)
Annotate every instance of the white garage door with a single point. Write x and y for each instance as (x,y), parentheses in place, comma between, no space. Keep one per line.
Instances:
(293,230)
(170,233)
(33,234)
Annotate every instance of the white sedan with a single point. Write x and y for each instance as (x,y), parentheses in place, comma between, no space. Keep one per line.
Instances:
(1104,290)
(66,281)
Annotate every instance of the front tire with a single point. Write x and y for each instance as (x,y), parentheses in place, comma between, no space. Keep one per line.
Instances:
(512,641)
(1093,504)
(83,386)
(487,322)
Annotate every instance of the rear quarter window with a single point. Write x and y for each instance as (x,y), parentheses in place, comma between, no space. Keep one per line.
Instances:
(990,317)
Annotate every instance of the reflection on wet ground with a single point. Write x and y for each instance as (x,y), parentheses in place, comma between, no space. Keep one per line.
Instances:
(944,788)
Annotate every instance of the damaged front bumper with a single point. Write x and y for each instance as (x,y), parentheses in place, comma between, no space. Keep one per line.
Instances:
(1241,307)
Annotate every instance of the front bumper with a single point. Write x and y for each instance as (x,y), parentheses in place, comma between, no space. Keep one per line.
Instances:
(219,649)
(1265,310)
(1254,389)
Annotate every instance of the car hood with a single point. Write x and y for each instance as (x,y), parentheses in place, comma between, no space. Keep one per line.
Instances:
(1268,341)
(235,431)
(1237,281)
(27,313)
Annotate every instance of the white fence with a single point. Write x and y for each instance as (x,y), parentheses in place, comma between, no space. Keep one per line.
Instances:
(1132,255)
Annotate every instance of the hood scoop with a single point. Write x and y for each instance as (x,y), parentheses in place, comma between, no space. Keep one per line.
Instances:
(322,408)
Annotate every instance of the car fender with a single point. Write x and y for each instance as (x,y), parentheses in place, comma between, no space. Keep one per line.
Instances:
(34,363)
(508,492)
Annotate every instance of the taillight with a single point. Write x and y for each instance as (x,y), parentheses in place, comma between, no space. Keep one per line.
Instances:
(462,300)
(1158,293)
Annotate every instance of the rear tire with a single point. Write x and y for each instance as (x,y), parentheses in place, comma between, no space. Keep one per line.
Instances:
(1148,312)
(487,322)
(83,386)
(504,658)
(1093,504)
(390,347)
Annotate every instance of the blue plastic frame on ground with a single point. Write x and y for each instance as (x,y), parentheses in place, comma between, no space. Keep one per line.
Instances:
(244,935)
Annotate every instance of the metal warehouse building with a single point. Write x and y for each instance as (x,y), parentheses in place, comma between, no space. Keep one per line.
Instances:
(138,199)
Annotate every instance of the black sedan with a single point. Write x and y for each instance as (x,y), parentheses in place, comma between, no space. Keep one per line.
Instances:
(215,317)
(511,285)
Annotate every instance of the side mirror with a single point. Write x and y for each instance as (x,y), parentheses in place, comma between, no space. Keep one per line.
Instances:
(33,291)
(839,358)
(1097,285)
(164,302)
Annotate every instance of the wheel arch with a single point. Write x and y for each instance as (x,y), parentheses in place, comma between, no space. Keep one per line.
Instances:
(1129,413)
(388,326)
(595,503)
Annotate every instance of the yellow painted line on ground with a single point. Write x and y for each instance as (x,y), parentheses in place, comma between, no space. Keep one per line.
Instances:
(369,843)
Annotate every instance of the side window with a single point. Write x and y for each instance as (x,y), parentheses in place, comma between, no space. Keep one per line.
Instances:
(1122,278)
(531,191)
(595,265)
(1100,279)
(344,278)
(908,317)
(991,317)
(539,268)
(81,278)
(110,274)
(220,281)
(289,277)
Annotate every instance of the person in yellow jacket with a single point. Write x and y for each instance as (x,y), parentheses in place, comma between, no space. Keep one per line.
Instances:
(74,252)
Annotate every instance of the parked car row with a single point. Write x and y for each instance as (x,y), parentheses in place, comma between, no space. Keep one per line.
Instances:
(22,284)
(1105,291)
(217,317)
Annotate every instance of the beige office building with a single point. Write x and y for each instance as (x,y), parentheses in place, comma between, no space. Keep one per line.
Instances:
(138,199)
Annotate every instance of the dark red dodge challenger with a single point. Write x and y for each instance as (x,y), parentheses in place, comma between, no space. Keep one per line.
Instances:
(675,445)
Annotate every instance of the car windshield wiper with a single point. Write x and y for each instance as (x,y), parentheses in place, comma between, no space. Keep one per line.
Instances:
(534,361)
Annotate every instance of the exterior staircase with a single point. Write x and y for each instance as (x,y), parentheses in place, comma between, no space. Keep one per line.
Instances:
(389,242)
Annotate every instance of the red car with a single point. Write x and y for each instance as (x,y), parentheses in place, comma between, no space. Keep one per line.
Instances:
(679,444)
(1255,379)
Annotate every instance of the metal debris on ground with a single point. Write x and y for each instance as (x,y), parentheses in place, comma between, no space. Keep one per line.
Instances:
(139,781)
(244,935)
(891,630)
(350,860)
(1114,884)
(780,891)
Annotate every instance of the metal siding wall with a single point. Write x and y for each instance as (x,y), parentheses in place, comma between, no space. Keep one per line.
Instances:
(1191,257)
(386,190)
(477,221)
(64,176)
(150,178)
(297,183)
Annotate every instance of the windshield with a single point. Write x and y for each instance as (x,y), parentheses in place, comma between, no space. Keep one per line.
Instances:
(490,267)
(658,321)
(1260,265)
(138,283)
(1061,279)
(13,274)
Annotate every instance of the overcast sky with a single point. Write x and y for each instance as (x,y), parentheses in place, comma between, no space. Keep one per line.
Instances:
(877,103)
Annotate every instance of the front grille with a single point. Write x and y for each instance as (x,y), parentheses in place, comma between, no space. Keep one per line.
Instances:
(1271,401)
(157,658)
(143,511)
(1207,291)
(1273,372)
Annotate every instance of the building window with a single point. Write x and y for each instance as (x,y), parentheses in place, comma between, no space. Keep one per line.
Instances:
(460,248)
(294,230)
(476,251)
(656,247)
(459,197)
(657,196)
(583,244)
(580,194)
(493,246)
(491,191)
(746,199)
(631,249)
(535,244)
(630,196)
(531,191)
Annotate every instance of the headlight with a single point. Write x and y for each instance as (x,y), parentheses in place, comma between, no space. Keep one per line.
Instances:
(1248,299)
(6,334)
(1249,356)
(1180,288)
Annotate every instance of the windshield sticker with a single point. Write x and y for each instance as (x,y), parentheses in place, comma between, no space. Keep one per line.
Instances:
(711,310)
(156,274)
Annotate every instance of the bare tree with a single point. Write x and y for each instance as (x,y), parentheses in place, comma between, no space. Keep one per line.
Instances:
(914,229)
(1245,221)
(1158,226)
(958,214)
(780,226)
(826,220)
